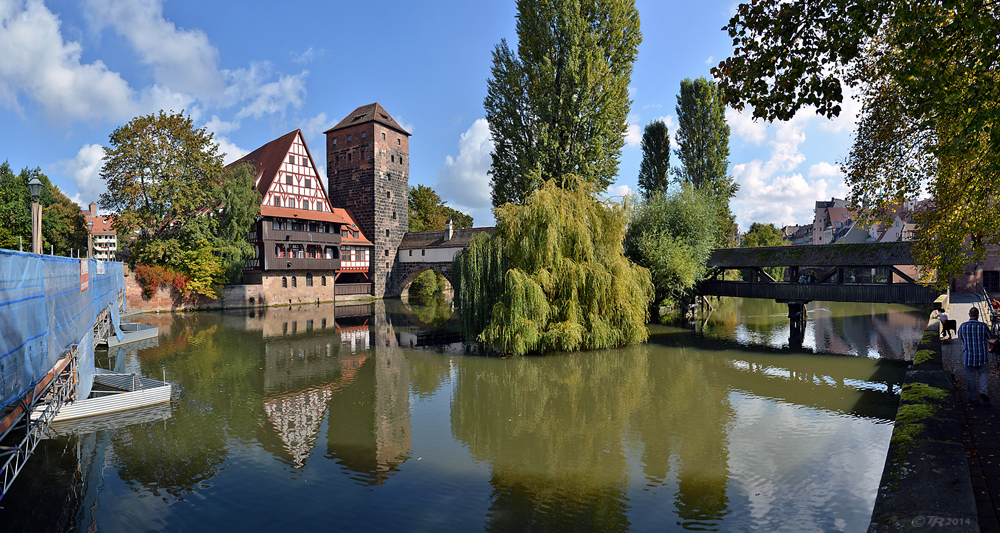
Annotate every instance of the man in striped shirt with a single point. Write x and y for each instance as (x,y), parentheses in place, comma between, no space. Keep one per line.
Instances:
(975,336)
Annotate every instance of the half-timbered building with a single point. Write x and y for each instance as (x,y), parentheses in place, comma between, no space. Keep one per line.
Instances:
(301,240)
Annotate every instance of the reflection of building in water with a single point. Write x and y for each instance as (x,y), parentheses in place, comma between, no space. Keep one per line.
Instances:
(369,424)
(891,332)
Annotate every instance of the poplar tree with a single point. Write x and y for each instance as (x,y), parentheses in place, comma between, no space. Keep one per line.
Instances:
(654,172)
(703,149)
(558,104)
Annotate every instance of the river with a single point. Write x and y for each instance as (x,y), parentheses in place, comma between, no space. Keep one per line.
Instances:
(324,418)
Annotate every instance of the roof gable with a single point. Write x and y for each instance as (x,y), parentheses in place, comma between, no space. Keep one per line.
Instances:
(369,113)
(274,162)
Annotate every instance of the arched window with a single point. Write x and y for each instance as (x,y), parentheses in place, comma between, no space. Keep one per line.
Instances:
(309,279)
(284,282)
(322,281)
(293,282)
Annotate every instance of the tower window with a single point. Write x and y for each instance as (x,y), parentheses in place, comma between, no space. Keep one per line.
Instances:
(399,142)
(387,232)
(394,215)
(387,253)
(388,194)
(393,158)
(349,157)
(348,137)
(335,141)
(400,160)
(364,134)
(383,135)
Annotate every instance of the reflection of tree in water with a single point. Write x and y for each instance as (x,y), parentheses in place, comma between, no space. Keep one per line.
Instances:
(761,320)
(428,372)
(433,312)
(173,457)
(685,421)
(554,430)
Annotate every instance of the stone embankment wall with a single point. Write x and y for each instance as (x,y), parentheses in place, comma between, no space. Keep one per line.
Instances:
(925,481)
(271,291)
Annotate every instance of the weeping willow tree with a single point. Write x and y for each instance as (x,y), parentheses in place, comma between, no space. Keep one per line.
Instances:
(553,276)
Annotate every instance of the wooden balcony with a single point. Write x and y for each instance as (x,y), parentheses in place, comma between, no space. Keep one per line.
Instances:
(300,263)
(289,236)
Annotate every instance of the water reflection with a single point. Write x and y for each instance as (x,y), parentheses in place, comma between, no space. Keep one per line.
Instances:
(885,331)
(297,406)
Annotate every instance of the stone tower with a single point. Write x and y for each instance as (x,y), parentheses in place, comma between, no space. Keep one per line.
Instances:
(368,171)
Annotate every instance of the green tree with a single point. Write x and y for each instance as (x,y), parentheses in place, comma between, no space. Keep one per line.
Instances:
(654,172)
(764,235)
(428,211)
(703,149)
(167,186)
(672,235)
(553,277)
(558,105)
(926,73)
(63,226)
(160,172)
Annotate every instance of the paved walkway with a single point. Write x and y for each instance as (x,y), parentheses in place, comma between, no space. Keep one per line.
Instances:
(981,423)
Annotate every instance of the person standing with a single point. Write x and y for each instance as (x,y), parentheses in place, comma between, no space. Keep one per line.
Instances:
(975,337)
(942,317)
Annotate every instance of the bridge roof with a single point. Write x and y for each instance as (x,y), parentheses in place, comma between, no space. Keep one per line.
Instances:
(460,238)
(832,255)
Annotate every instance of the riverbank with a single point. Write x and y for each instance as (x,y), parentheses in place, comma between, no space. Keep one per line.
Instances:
(926,479)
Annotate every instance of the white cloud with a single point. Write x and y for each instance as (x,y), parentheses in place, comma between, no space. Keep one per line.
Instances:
(85,169)
(710,60)
(771,191)
(408,126)
(633,133)
(274,97)
(230,150)
(619,191)
(306,56)
(183,60)
(823,169)
(36,62)
(463,181)
(746,127)
(314,127)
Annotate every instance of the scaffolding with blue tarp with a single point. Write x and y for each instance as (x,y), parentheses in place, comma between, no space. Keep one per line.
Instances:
(49,306)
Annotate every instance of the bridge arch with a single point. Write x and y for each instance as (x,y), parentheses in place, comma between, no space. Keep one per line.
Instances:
(404,273)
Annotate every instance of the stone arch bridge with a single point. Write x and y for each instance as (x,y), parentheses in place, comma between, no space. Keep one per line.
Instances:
(420,251)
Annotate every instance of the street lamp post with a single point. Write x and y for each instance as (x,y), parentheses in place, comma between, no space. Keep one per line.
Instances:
(90,239)
(35,186)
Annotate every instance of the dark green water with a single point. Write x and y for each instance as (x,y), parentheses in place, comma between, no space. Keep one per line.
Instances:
(323,418)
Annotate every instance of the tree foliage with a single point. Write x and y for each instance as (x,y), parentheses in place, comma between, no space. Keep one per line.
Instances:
(672,235)
(765,235)
(166,185)
(558,105)
(428,212)
(703,150)
(63,226)
(654,171)
(553,276)
(926,72)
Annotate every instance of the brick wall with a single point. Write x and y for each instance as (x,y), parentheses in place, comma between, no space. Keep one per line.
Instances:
(369,175)
(268,292)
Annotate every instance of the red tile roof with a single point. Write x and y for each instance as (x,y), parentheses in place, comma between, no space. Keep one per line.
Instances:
(369,113)
(338,216)
(102,226)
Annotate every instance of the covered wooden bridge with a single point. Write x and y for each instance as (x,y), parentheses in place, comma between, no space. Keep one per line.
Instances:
(864,272)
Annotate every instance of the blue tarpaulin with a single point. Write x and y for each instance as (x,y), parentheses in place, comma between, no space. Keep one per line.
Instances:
(44,310)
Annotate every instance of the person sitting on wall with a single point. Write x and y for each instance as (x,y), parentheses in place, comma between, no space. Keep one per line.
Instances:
(975,337)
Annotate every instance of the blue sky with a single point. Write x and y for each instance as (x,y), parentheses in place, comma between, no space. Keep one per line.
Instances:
(249,71)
